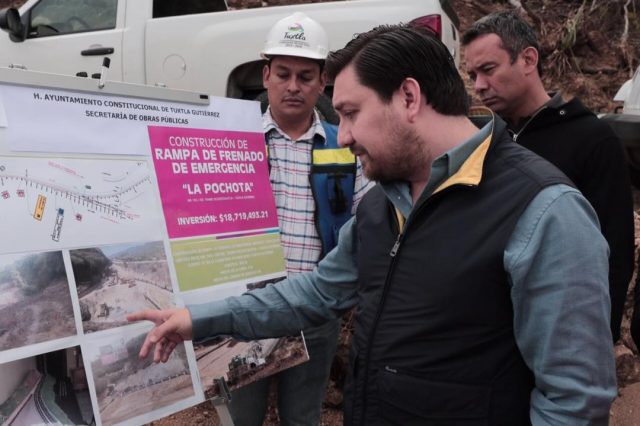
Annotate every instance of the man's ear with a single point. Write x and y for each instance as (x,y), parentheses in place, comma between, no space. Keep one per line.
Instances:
(411,97)
(530,57)
(323,80)
(266,71)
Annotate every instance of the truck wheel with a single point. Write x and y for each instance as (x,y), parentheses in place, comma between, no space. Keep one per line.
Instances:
(324,107)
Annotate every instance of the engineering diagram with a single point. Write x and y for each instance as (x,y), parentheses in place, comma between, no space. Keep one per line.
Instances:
(54,203)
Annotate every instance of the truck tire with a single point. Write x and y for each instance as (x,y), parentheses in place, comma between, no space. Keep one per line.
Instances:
(324,107)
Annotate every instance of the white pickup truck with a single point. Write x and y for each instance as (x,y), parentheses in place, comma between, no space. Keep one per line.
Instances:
(194,45)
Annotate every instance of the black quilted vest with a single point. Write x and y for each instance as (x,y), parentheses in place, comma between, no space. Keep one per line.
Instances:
(434,341)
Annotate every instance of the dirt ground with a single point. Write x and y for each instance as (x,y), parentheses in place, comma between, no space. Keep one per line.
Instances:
(36,318)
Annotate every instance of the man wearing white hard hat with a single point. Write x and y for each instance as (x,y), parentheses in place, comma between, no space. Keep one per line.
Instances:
(317,186)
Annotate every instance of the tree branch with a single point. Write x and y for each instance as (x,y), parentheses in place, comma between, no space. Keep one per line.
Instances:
(624,38)
(524,8)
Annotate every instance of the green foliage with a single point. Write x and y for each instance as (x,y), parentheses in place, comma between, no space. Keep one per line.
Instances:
(571,29)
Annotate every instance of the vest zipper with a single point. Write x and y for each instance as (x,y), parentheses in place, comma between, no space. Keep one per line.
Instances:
(367,356)
(385,291)
(396,246)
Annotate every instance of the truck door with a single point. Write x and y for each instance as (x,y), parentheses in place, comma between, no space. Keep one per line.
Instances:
(67,37)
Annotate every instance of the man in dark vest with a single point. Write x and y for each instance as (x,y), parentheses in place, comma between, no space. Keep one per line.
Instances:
(477,271)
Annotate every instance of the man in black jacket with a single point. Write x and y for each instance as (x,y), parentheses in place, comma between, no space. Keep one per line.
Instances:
(502,59)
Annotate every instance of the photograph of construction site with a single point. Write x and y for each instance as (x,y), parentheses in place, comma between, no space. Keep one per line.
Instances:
(45,389)
(127,386)
(35,300)
(241,363)
(113,281)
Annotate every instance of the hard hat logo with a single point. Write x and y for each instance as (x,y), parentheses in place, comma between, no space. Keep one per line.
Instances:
(297,35)
(294,36)
(296,28)
(294,32)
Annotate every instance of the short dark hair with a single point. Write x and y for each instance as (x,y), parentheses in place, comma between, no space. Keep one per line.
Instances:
(388,54)
(514,32)
(320,62)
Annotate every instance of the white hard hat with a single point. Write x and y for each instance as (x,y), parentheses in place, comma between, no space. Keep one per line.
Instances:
(297,35)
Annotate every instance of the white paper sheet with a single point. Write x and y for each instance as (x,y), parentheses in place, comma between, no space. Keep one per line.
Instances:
(99,124)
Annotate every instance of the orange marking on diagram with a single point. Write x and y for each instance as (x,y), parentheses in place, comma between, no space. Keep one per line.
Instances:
(39,211)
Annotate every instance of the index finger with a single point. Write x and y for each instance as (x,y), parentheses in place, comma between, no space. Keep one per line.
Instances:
(147,314)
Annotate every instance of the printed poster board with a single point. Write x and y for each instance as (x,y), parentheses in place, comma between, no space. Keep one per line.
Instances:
(119,200)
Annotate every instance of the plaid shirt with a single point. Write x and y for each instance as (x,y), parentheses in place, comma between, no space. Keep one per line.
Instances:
(290,163)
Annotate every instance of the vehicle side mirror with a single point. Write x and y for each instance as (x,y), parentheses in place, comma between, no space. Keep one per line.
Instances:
(11,23)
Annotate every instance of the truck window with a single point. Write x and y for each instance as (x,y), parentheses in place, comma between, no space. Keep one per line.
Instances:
(55,17)
(164,8)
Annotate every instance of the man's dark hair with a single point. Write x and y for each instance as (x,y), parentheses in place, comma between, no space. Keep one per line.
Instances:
(385,56)
(320,62)
(514,32)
